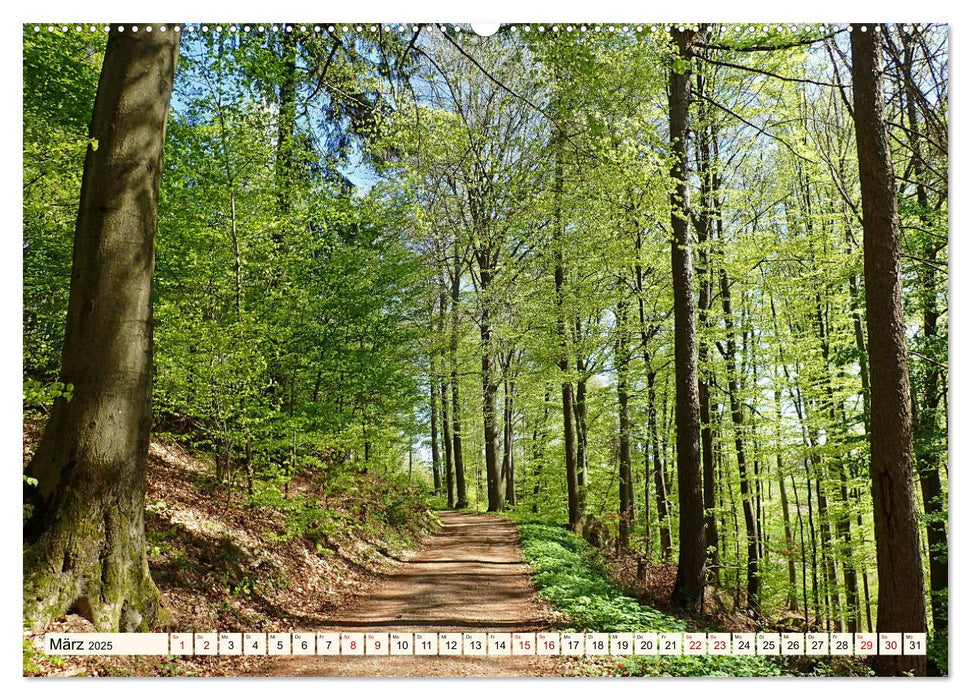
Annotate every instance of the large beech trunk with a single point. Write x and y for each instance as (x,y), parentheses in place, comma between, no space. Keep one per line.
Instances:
(689,584)
(709,213)
(85,540)
(900,573)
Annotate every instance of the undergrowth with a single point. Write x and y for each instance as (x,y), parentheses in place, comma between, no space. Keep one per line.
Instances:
(564,571)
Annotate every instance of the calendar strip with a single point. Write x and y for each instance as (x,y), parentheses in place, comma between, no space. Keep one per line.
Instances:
(487,644)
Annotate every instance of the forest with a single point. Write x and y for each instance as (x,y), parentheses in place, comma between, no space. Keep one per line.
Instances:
(679,289)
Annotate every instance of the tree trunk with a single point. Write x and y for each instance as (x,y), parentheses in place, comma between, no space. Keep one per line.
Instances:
(446,416)
(539,438)
(813,550)
(580,416)
(843,524)
(815,467)
(447,444)
(622,362)
(569,445)
(652,457)
(461,499)
(660,491)
(569,428)
(689,584)
(433,404)
(900,575)
(719,454)
(647,502)
(508,459)
(791,602)
(489,391)
(744,479)
(489,433)
(857,495)
(858,336)
(827,550)
(708,213)
(85,540)
(802,552)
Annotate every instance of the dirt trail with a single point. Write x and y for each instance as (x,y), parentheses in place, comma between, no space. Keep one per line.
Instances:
(469,576)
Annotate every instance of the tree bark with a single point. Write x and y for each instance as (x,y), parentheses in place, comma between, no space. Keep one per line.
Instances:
(843,520)
(580,417)
(489,391)
(660,490)
(791,601)
(446,415)
(802,551)
(689,584)
(900,607)
(539,439)
(85,540)
(508,458)
(559,280)
(447,444)
(461,499)
(433,405)
(622,361)
(652,455)
(744,479)
(709,211)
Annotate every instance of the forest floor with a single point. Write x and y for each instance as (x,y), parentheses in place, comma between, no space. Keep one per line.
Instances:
(468,577)
(226,561)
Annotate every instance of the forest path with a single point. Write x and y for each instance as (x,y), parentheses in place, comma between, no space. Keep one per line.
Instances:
(469,577)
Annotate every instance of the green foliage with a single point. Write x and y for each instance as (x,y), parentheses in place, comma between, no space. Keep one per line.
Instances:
(700,666)
(330,203)
(304,517)
(60,78)
(31,656)
(40,395)
(563,569)
(937,650)
(162,543)
(367,503)
(285,318)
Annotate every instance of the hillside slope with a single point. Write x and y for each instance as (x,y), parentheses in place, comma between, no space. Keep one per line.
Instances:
(226,560)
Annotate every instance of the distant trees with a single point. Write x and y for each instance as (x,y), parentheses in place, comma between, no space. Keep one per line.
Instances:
(921,123)
(747,397)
